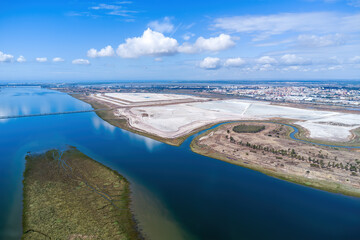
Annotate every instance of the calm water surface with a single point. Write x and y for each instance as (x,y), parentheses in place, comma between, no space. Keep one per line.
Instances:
(177,194)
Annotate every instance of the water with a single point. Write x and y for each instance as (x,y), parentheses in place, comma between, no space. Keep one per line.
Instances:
(177,194)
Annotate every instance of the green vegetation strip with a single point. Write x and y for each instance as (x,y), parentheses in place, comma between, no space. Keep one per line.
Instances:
(68,195)
(244,128)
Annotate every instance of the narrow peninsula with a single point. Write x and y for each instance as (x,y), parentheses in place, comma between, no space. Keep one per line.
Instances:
(268,148)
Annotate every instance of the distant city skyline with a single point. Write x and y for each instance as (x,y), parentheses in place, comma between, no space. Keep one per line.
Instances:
(75,40)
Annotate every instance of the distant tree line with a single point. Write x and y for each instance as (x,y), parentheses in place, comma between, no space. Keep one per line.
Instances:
(293,154)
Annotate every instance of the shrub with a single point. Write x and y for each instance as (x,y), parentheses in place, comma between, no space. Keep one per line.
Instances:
(248,128)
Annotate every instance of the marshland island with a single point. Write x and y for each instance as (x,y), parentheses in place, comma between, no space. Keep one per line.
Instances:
(68,195)
(323,153)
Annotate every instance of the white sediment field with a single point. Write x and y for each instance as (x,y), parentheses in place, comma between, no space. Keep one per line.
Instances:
(327,132)
(178,119)
(172,121)
(147,97)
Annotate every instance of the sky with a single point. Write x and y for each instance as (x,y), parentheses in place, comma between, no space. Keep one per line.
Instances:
(80,40)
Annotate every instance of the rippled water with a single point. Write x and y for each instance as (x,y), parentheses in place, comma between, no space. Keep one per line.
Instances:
(177,194)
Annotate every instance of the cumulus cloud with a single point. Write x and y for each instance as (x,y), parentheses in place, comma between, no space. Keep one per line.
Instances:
(210,63)
(264,67)
(268,25)
(266,60)
(321,41)
(58,59)
(214,44)
(81,61)
(292,59)
(5,57)
(234,62)
(21,59)
(154,43)
(107,51)
(41,59)
(287,62)
(163,26)
(355,59)
(151,43)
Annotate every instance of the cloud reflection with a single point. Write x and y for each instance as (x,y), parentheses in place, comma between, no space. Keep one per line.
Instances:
(149,143)
(100,124)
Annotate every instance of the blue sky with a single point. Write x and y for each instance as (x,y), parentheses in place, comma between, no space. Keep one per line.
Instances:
(184,40)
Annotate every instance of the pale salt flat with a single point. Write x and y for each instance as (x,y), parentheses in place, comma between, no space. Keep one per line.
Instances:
(171,121)
(146,97)
(327,132)
(342,118)
(109,100)
(175,120)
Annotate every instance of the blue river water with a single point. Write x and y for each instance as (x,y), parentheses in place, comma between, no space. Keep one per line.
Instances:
(177,194)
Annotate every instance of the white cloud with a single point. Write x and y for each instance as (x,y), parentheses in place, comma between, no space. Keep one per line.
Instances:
(291,68)
(265,67)
(266,60)
(107,51)
(188,35)
(158,59)
(115,9)
(355,59)
(81,61)
(321,41)
(151,43)
(267,25)
(214,44)
(58,59)
(41,59)
(5,57)
(234,62)
(292,59)
(210,63)
(106,7)
(21,59)
(285,63)
(336,67)
(163,26)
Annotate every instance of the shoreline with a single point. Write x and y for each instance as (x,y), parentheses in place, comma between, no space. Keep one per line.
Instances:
(329,186)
